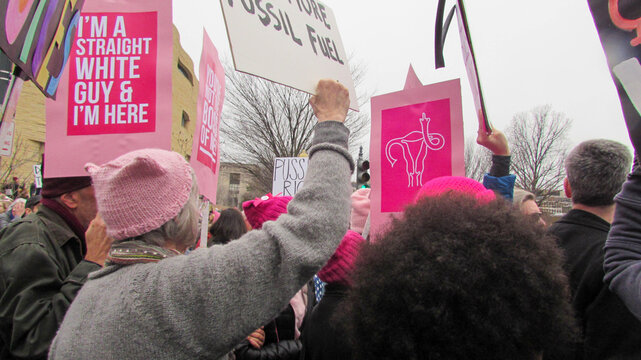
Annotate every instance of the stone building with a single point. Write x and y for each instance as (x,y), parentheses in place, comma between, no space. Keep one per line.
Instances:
(556,205)
(29,138)
(235,185)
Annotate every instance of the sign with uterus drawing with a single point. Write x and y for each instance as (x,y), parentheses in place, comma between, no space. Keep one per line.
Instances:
(415,150)
(417,135)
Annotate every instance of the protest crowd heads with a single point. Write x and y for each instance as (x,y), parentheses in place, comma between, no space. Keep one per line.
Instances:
(462,278)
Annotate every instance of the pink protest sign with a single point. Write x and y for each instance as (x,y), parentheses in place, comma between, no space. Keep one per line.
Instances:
(115,95)
(115,54)
(417,135)
(205,151)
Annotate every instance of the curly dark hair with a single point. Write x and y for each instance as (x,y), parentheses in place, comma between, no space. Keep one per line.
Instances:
(229,226)
(453,279)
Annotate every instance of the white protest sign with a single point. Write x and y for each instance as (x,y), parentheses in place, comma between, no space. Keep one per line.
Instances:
(291,42)
(6,137)
(289,175)
(37,176)
(470,65)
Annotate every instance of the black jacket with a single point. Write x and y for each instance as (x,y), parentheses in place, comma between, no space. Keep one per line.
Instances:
(324,336)
(280,342)
(41,271)
(609,329)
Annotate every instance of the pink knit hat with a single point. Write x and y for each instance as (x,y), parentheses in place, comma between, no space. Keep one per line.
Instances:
(360,210)
(339,267)
(141,190)
(216,216)
(265,208)
(457,184)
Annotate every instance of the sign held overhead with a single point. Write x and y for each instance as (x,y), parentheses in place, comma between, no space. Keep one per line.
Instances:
(291,42)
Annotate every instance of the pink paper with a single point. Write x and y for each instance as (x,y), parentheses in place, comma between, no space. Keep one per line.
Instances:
(412,81)
(417,135)
(115,95)
(205,151)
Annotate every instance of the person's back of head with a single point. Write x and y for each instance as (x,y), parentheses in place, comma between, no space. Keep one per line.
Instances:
(229,226)
(163,186)
(32,204)
(596,170)
(458,277)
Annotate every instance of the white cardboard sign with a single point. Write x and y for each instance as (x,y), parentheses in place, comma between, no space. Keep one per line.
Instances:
(291,42)
(6,137)
(37,176)
(289,175)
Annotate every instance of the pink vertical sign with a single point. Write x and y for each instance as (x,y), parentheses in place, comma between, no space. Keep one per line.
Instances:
(115,95)
(417,135)
(205,152)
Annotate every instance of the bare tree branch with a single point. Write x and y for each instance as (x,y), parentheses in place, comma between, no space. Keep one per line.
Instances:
(478,160)
(538,139)
(20,156)
(263,120)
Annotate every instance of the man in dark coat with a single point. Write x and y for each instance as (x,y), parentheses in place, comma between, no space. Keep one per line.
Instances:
(324,336)
(595,171)
(44,261)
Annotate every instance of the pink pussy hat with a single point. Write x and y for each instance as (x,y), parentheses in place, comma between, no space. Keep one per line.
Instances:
(140,190)
(265,208)
(339,267)
(457,184)
(360,210)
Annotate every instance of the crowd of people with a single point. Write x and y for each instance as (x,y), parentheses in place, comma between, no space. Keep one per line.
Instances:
(106,265)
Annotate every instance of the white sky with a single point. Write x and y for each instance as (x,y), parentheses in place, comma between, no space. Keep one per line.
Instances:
(529,53)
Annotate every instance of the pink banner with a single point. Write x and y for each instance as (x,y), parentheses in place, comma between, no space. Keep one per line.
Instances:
(115,96)
(417,135)
(205,151)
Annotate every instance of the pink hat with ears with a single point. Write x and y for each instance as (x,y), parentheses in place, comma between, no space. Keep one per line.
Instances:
(140,190)
(457,184)
(265,208)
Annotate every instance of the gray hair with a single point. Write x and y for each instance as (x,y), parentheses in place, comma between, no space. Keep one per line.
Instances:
(521,196)
(182,229)
(596,170)
(17,201)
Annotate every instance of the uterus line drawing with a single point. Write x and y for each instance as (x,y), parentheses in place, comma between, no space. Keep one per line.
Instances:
(415,162)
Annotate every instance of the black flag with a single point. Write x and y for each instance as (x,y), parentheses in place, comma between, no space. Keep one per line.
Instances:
(619,25)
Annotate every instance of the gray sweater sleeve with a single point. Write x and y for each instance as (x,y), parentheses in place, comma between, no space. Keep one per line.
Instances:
(208,301)
(622,262)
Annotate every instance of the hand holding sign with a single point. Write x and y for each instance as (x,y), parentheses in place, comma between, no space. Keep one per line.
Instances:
(494,141)
(331,101)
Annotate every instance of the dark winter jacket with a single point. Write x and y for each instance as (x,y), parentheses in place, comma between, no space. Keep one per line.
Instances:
(609,330)
(623,248)
(280,342)
(41,271)
(324,336)
(499,178)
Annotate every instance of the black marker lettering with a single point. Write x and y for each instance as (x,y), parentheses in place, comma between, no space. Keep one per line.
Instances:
(312,37)
(251,9)
(291,29)
(265,18)
(269,8)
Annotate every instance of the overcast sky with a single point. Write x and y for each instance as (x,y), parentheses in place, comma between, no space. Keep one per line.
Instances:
(529,53)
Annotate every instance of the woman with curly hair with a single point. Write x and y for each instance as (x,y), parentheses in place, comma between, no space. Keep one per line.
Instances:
(460,275)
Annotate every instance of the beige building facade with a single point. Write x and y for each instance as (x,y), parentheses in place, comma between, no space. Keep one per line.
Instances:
(29,138)
(235,185)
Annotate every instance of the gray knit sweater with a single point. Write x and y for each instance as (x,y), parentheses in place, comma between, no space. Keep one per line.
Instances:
(199,306)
